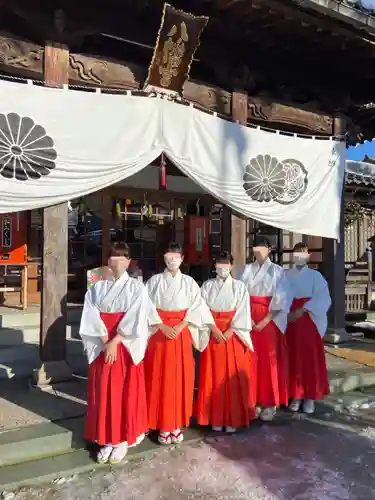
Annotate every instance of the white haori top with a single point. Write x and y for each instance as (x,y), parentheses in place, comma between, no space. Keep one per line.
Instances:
(124,295)
(269,280)
(308,283)
(179,293)
(230,295)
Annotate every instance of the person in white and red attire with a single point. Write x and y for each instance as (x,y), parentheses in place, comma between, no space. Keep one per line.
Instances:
(269,303)
(116,323)
(307,324)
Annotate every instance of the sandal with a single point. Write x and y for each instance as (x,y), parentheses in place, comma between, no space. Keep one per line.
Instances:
(165,438)
(176,436)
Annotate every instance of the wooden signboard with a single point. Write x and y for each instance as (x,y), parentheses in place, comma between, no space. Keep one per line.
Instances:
(177,41)
(13,239)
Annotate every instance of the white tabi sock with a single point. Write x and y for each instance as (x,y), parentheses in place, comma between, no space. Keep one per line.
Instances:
(104,454)
(308,406)
(118,453)
(295,404)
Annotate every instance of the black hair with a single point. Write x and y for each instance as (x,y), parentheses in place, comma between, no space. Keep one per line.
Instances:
(262,241)
(134,272)
(224,257)
(300,247)
(174,247)
(119,249)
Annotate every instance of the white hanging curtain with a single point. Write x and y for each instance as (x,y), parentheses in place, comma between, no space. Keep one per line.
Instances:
(57,145)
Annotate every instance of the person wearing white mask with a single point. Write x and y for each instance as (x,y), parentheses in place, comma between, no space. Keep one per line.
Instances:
(116,318)
(270,303)
(225,398)
(307,324)
(169,360)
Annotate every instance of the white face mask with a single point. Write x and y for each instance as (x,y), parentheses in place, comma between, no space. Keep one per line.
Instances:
(223,272)
(173,263)
(300,259)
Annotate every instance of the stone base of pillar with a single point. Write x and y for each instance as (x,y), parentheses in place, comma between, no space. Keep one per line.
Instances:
(52,372)
(337,336)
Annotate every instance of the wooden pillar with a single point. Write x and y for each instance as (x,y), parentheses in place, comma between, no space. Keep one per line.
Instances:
(334,269)
(106,225)
(238,223)
(53,317)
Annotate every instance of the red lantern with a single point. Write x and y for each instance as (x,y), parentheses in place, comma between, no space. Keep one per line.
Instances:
(163,173)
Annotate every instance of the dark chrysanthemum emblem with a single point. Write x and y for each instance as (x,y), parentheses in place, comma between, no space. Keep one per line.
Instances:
(268,179)
(26,151)
(264,178)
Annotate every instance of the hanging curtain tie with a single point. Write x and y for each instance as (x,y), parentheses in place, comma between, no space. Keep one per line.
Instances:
(163,173)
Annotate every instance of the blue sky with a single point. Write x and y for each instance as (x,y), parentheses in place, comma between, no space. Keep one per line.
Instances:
(359,152)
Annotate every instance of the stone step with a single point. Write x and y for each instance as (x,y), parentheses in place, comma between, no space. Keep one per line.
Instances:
(352,380)
(61,467)
(29,334)
(24,367)
(13,318)
(27,351)
(370,316)
(39,441)
(359,277)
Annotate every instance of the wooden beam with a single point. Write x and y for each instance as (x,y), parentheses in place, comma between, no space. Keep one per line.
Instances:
(238,225)
(106,220)
(290,11)
(261,111)
(131,193)
(53,319)
(85,19)
(26,59)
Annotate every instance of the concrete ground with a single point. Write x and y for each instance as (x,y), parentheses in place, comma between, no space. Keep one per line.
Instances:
(20,406)
(330,457)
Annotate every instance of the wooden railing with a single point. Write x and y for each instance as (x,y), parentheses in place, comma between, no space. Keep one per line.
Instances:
(358,289)
(356,299)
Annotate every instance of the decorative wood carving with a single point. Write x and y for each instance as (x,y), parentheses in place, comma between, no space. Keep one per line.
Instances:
(99,72)
(18,54)
(261,110)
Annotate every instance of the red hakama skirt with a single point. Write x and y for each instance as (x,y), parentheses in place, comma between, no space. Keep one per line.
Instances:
(116,406)
(308,377)
(225,394)
(170,371)
(270,366)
